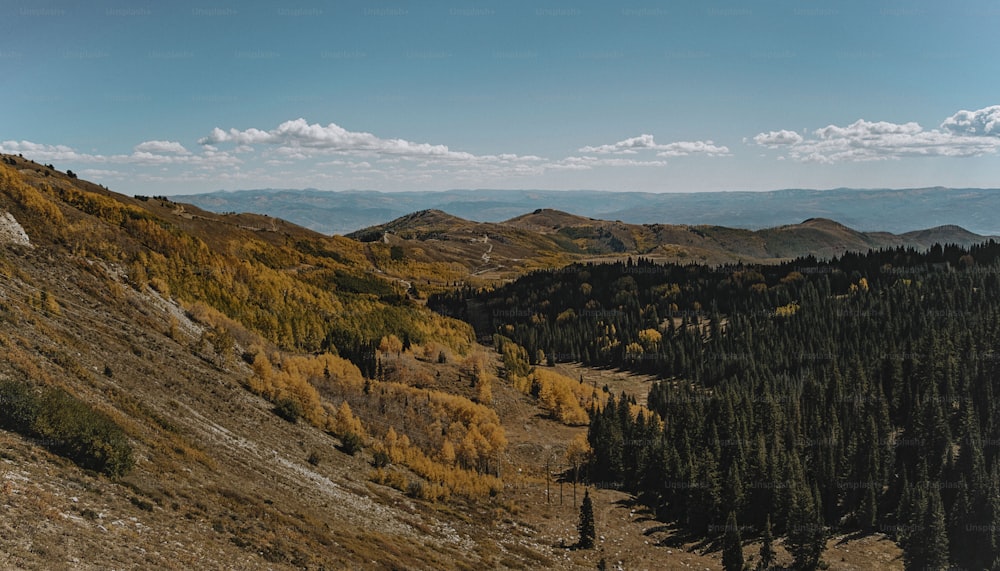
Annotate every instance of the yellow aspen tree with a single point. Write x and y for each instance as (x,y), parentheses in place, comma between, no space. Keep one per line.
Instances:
(346,422)
(447,453)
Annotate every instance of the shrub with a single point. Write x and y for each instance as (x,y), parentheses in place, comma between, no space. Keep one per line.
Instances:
(82,434)
(352,443)
(19,405)
(67,426)
(141,504)
(288,409)
(415,489)
(380,459)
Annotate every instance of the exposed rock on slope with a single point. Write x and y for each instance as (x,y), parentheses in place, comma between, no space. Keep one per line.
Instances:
(11,231)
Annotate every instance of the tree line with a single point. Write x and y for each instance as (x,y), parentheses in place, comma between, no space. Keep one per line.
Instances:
(814,397)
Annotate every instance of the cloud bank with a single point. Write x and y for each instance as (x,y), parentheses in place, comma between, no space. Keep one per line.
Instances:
(964,134)
(303,154)
(643,142)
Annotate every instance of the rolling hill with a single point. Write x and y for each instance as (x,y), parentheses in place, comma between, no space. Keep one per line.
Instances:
(897,211)
(547,237)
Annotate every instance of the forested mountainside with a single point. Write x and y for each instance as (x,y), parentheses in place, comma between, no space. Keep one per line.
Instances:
(855,395)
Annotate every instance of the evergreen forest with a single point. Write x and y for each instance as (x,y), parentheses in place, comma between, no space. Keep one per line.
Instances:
(854,395)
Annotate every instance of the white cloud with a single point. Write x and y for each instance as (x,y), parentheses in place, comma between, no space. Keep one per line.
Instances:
(985,121)
(169,147)
(98,174)
(862,129)
(148,153)
(298,134)
(591,162)
(633,145)
(627,146)
(396,159)
(685,148)
(778,138)
(40,152)
(965,134)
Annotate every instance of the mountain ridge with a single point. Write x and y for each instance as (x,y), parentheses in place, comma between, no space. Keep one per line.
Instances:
(895,210)
(547,235)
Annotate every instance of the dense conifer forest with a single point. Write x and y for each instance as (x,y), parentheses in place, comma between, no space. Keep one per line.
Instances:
(853,395)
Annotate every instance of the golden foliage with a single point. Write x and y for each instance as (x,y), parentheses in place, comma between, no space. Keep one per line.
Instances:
(447,453)
(50,304)
(650,338)
(390,344)
(787,310)
(633,351)
(344,422)
(484,391)
(414,427)
(290,295)
(565,399)
(25,195)
(792,277)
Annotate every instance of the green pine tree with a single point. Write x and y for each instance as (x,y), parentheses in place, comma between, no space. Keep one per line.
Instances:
(806,536)
(767,553)
(963,545)
(936,538)
(868,511)
(586,526)
(732,545)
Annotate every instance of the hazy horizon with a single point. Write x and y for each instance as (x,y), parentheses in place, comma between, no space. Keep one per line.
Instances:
(593,190)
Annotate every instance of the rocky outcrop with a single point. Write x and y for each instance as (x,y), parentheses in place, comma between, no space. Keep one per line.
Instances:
(11,231)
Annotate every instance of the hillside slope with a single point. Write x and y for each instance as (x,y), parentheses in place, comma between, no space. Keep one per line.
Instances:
(219,480)
(219,345)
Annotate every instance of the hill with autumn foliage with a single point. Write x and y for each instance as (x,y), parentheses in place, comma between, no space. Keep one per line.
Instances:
(211,381)
(433,249)
(182,389)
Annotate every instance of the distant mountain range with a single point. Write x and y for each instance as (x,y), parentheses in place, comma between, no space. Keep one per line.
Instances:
(897,211)
(551,238)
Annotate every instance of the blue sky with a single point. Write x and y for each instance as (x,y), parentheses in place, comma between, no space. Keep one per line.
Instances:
(182,97)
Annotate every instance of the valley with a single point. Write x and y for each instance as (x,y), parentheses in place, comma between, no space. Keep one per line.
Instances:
(290,401)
